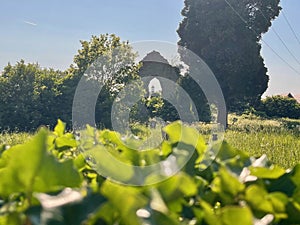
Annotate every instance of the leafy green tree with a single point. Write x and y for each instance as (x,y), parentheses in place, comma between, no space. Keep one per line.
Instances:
(28,96)
(48,85)
(226,35)
(155,105)
(169,112)
(32,96)
(152,107)
(140,113)
(107,60)
(17,93)
(197,96)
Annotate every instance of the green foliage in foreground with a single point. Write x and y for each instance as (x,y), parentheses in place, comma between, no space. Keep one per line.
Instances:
(48,180)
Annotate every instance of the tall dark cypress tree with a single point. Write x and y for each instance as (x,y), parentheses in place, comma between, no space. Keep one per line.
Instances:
(226,34)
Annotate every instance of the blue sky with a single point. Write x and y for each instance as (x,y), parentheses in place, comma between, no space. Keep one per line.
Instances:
(48,32)
(283,79)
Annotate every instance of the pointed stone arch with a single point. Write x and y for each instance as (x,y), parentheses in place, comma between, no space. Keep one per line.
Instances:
(154,65)
(154,87)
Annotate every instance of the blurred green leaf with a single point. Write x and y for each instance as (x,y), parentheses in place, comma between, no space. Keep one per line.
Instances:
(296,195)
(30,168)
(227,186)
(103,162)
(257,197)
(62,142)
(263,202)
(177,132)
(279,202)
(79,162)
(273,172)
(287,183)
(236,215)
(295,175)
(176,186)
(293,211)
(166,149)
(227,152)
(106,214)
(125,201)
(60,127)
(207,213)
(11,219)
(162,218)
(71,213)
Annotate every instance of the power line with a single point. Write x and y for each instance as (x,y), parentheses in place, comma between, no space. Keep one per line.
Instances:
(281,40)
(290,26)
(282,59)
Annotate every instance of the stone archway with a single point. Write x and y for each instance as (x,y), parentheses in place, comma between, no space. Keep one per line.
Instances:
(154,87)
(154,65)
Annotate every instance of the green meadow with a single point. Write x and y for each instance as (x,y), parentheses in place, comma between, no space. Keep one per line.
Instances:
(277,138)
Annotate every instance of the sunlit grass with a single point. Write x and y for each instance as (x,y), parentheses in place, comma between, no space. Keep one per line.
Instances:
(279,139)
(15,138)
(281,148)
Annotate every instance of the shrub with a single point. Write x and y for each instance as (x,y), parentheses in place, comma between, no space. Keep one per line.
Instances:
(279,106)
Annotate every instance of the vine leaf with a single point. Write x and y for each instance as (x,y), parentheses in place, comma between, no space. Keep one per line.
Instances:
(30,168)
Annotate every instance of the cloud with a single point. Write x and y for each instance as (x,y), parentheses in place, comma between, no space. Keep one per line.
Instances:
(30,23)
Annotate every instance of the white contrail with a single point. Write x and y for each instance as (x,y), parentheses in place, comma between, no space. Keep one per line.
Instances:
(30,23)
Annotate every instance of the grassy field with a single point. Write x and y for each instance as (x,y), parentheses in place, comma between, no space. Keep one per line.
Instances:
(279,139)
(9,138)
(282,149)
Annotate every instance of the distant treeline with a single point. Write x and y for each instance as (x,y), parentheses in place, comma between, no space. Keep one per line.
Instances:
(31,96)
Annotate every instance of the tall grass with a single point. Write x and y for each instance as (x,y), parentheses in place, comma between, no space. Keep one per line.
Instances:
(281,148)
(279,139)
(13,138)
